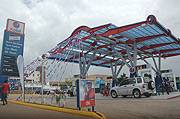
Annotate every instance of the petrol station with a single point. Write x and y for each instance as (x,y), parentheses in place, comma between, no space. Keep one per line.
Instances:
(114,47)
(107,46)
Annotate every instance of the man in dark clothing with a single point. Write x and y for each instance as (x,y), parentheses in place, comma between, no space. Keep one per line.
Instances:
(166,86)
(5,90)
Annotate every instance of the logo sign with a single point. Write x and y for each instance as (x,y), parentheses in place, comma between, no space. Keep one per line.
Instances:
(132,70)
(15,26)
(87,93)
(99,80)
(157,74)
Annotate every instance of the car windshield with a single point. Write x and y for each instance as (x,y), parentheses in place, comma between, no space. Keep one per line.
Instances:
(146,79)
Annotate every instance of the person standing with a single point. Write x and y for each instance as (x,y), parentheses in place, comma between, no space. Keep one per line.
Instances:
(5,90)
(71,91)
(166,86)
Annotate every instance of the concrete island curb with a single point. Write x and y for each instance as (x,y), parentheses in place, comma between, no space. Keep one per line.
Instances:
(96,115)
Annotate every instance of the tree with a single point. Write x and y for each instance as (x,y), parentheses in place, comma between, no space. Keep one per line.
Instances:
(147,75)
(121,78)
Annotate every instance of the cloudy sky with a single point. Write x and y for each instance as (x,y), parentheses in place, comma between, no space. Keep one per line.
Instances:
(48,22)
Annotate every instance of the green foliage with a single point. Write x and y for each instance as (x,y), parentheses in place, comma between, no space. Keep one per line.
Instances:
(121,78)
(147,75)
(59,97)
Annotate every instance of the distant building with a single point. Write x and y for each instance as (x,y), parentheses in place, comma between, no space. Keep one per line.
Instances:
(100,80)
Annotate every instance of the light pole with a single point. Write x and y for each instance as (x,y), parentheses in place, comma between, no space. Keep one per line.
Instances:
(42,59)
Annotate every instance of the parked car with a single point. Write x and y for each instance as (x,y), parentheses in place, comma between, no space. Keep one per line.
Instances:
(134,86)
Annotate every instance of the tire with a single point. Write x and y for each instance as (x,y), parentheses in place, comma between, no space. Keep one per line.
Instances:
(147,94)
(136,93)
(151,85)
(124,96)
(114,94)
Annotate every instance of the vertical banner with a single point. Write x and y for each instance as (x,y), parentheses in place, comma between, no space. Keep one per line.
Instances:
(20,65)
(87,93)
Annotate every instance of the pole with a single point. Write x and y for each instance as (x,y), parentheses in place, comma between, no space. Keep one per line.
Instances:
(24,90)
(42,84)
(32,85)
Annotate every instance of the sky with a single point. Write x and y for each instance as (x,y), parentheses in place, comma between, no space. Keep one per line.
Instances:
(48,22)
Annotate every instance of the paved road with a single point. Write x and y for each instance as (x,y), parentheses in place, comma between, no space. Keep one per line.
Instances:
(14,111)
(154,107)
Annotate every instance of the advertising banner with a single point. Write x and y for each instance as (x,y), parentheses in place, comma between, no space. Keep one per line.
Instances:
(20,65)
(87,93)
(99,80)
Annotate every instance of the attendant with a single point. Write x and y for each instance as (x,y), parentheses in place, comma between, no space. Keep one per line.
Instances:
(5,90)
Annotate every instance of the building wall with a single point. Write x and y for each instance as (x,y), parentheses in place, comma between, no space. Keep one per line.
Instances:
(93,77)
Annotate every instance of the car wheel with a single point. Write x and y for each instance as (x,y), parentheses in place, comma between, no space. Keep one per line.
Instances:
(147,94)
(114,94)
(136,93)
(151,85)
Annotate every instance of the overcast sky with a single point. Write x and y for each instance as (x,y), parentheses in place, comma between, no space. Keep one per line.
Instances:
(48,22)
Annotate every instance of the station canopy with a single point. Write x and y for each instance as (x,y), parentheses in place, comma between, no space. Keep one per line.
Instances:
(103,42)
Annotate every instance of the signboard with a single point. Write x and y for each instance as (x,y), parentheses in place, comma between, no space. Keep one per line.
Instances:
(166,71)
(15,26)
(145,66)
(99,80)
(86,93)
(13,45)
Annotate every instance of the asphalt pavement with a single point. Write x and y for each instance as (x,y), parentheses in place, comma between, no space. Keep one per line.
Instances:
(156,106)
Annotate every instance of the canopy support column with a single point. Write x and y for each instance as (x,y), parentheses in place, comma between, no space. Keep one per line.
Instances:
(115,73)
(89,63)
(135,53)
(159,61)
(80,64)
(135,58)
(154,62)
(129,55)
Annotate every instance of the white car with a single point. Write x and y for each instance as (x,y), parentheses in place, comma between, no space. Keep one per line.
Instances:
(134,86)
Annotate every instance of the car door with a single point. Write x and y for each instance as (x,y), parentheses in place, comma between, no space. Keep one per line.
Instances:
(131,86)
(122,89)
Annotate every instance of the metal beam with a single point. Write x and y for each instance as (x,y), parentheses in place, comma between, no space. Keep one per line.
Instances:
(80,64)
(155,46)
(112,68)
(120,55)
(129,56)
(159,61)
(84,63)
(120,69)
(135,54)
(141,39)
(146,62)
(154,62)
(165,51)
(90,61)
(115,67)
(120,29)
